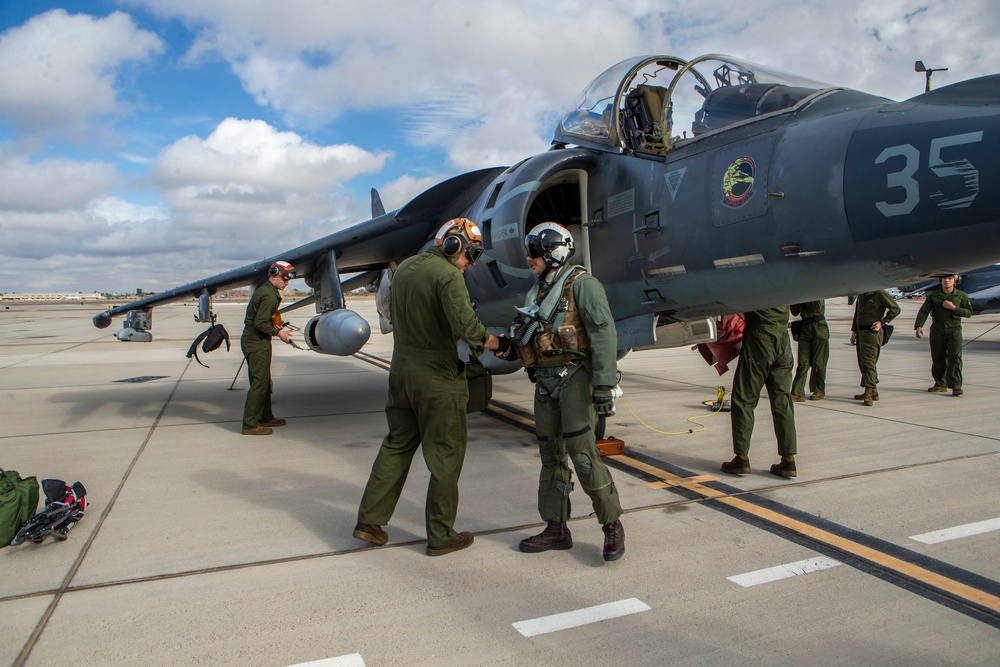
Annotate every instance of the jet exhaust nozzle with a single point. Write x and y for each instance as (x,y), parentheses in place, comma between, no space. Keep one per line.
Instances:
(341,332)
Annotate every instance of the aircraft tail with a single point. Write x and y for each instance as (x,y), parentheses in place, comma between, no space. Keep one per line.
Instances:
(377,209)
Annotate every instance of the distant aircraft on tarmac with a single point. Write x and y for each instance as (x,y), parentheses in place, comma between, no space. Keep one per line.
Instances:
(693,190)
(982,285)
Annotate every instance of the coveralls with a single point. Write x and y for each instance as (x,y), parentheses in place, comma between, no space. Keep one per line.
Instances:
(428,392)
(871,307)
(946,335)
(256,345)
(564,411)
(814,347)
(765,360)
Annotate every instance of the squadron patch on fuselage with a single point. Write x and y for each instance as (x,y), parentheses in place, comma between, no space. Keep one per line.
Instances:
(737,182)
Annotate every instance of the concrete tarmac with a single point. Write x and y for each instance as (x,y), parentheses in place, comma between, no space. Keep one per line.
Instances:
(204,546)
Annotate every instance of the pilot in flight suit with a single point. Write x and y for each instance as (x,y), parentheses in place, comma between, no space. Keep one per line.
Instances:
(573,360)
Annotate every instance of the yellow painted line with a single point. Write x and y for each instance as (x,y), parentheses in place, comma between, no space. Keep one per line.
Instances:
(512,415)
(685,482)
(844,544)
(873,555)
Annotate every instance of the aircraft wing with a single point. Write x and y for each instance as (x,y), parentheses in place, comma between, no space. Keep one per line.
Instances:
(362,249)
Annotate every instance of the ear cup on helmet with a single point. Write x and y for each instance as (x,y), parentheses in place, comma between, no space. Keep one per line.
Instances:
(451,245)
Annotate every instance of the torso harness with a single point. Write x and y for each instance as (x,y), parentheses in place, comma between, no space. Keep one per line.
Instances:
(551,333)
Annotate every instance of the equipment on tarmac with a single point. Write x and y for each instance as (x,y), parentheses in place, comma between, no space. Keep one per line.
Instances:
(64,507)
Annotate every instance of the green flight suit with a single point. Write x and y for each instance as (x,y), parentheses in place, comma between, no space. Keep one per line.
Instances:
(765,360)
(256,345)
(869,308)
(946,335)
(814,347)
(565,418)
(428,392)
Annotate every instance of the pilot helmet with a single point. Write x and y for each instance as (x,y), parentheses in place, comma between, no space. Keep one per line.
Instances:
(284,269)
(457,235)
(550,241)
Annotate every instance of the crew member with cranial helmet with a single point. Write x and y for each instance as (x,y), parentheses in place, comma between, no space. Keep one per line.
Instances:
(258,330)
(566,338)
(428,390)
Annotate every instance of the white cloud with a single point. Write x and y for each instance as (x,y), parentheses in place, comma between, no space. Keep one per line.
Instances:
(481,83)
(58,70)
(52,184)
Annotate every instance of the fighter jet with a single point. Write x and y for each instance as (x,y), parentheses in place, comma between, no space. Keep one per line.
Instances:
(694,189)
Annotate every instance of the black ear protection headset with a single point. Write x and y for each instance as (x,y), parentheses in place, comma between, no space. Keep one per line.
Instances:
(452,245)
(272,270)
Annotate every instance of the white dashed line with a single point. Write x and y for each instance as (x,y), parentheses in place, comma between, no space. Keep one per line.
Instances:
(784,571)
(353,660)
(958,531)
(572,619)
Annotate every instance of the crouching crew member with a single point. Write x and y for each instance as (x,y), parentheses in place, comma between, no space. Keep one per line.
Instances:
(565,336)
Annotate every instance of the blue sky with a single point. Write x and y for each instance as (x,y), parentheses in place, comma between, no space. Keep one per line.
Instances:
(147,143)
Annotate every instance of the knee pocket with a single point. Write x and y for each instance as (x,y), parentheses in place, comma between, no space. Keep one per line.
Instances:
(583,464)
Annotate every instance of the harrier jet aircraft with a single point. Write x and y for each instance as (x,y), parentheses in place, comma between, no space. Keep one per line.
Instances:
(694,190)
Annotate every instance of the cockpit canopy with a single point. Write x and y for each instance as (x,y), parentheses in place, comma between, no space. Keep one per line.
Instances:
(649,104)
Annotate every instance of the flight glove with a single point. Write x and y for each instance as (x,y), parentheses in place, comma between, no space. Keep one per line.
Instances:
(604,400)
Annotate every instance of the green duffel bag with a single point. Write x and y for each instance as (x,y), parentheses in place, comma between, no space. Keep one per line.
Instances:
(18,502)
(480,386)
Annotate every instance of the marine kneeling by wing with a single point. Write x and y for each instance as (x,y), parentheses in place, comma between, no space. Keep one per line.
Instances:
(566,338)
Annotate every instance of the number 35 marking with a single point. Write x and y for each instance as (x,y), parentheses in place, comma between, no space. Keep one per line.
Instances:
(904,177)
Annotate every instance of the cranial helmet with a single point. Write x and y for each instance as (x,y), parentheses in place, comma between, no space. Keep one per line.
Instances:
(457,235)
(550,241)
(283,269)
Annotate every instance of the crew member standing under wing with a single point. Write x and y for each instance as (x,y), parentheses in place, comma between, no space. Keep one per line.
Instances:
(872,311)
(765,360)
(814,350)
(428,389)
(258,330)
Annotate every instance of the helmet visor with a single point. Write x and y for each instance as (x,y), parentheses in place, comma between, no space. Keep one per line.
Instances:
(533,244)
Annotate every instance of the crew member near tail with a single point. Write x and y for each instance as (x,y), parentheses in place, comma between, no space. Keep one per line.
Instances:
(814,350)
(428,390)
(946,307)
(872,311)
(258,330)
(566,338)
(765,360)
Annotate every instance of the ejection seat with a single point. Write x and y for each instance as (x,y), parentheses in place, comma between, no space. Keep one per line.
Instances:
(731,104)
(641,115)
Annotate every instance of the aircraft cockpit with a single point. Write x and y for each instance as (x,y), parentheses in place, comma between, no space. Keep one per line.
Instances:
(650,104)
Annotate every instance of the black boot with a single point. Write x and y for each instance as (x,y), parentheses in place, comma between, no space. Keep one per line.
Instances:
(555,536)
(614,540)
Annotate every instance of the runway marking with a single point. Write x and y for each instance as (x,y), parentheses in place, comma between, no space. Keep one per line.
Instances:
(352,660)
(965,530)
(572,619)
(779,572)
(972,600)
(914,572)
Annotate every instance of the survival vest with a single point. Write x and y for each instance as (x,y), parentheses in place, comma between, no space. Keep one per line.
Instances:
(556,335)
